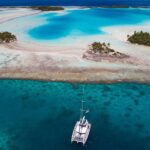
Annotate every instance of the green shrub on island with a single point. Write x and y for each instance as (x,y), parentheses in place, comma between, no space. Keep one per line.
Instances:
(141,38)
(103,49)
(48,8)
(98,47)
(7,37)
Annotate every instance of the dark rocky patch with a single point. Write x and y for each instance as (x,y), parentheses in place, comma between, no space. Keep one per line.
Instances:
(75,86)
(65,112)
(37,103)
(127,115)
(24,99)
(104,116)
(142,93)
(139,125)
(89,97)
(107,103)
(136,102)
(130,109)
(134,87)
(106,88)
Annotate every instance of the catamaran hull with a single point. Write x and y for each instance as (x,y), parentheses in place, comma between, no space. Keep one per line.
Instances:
(76,136)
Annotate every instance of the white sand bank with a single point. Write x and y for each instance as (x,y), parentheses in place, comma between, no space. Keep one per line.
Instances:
(15,13)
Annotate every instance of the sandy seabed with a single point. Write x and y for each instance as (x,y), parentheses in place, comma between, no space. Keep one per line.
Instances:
(64,62)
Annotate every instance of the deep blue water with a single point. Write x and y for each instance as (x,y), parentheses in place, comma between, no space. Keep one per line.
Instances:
(41,115)
(76,2)
(86,22)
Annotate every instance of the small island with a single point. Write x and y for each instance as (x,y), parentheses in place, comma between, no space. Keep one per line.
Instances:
(115,6)
(48,8)
(141,38)
(98,51)
(7,37)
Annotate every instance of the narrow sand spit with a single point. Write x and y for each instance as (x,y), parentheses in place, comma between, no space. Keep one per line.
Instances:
(19,12)
(22,60)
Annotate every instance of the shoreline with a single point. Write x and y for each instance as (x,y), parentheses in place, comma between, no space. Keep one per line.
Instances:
(32,61)
(77,80)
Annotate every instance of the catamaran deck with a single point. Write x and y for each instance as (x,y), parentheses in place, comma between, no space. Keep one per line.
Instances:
(81,131)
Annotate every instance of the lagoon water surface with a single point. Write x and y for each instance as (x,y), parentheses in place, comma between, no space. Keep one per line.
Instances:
(41,115)
(83,22)
(67,26)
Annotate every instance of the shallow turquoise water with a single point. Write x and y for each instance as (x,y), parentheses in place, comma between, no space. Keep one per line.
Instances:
(41,115)
(86,22)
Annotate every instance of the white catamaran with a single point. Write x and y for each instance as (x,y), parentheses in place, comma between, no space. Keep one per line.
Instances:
(82,128)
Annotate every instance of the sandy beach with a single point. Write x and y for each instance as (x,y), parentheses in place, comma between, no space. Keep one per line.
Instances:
(38,61)
(15,13)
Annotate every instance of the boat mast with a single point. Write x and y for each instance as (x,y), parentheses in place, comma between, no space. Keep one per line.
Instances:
(82,101)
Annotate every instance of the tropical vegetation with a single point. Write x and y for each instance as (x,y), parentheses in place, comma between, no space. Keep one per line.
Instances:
(7,37)
(48,8)
(103,49)
(142,38)
(98,47)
